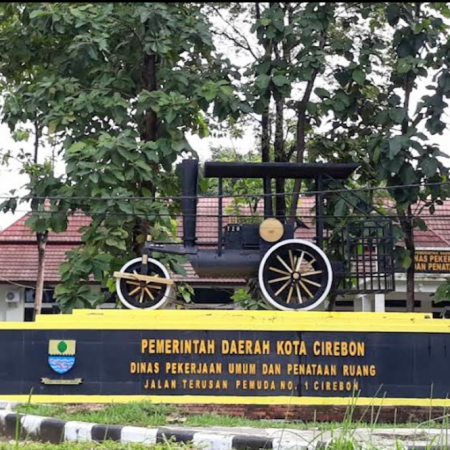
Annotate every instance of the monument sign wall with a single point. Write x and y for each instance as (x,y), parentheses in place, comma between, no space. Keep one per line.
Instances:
(227,357)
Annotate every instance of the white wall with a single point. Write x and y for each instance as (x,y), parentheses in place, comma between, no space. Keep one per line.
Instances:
(11,312)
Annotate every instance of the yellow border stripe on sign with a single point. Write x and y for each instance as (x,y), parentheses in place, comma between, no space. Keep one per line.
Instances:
(205,399)
(236,320)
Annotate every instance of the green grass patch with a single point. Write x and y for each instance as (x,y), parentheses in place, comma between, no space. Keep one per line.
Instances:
(139,413)
(146,414)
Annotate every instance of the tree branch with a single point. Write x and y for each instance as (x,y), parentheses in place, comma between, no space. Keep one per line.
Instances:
(235,42)
(238,32)
(37,134)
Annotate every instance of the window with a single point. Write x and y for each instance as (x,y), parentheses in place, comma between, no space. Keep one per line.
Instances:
(212,295)
(49,305)
(47,298)
(401,304)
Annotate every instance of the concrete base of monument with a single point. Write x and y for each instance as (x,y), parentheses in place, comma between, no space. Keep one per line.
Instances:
(44,429)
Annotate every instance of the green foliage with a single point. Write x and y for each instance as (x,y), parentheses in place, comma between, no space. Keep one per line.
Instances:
(442,293)
(248,300)
(185,291)
(409,42)
(246,191)
(116,86)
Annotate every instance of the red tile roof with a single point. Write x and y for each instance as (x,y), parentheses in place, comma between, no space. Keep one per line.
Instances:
(18,252)
(18,262)
(430,239)
(18,232)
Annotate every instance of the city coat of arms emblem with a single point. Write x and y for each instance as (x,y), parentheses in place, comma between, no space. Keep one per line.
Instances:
(61,355)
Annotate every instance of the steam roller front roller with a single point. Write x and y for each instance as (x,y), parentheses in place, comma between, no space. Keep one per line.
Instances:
(295,275)
(144,286)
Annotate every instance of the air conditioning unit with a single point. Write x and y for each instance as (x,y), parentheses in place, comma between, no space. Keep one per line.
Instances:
(12,297)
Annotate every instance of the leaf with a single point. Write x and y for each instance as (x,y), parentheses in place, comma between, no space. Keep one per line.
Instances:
(396,164)
(381,117)
(179,146)
(395,145)
(398,115)
(177,268)
(94,177)
(340,209)
(263,67)
(404,51)
(429,166)
(141,164)
(37,13)
(393,14)
(171,115)
(359,76)
(322,93)
(37,225)
(281,80)
(420,223)
(342,77)
(443,292)
(408,175)
(125,207)
(262,81)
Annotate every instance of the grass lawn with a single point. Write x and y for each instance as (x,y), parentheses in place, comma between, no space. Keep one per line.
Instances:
(146,414)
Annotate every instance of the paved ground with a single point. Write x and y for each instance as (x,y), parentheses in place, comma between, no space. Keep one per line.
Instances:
(285,439)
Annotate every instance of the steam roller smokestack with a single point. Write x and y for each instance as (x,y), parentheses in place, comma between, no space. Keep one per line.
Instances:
(189,177)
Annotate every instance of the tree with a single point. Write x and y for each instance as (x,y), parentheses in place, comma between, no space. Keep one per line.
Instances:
(297,51)
(403,147)
(411,41)
(118,86)
(45,216)
(349,72)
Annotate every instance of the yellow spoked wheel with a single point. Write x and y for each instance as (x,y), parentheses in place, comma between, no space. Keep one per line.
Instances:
(295,275)
(143,292)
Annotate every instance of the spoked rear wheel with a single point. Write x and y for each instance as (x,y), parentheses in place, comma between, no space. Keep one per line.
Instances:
(295,275)
(143,294)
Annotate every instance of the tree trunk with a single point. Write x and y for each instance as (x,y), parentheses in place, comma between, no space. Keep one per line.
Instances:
(265,136)
(265,154)
(407,228)
(302,121)
(265,122)
(300,145)
(406,217)
(148,132)
(39,293)
(280,200)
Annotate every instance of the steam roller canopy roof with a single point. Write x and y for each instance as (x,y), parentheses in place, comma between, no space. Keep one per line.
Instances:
(278,170)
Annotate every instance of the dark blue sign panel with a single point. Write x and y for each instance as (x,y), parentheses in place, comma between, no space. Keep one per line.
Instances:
(224,363)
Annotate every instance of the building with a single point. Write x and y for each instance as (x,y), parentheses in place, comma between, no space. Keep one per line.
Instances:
(18,265)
